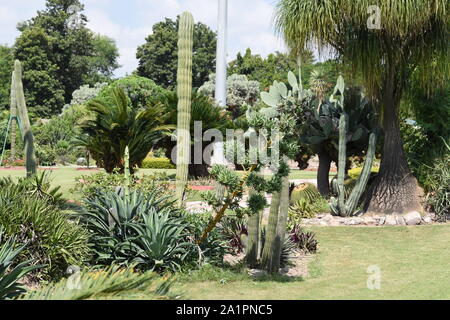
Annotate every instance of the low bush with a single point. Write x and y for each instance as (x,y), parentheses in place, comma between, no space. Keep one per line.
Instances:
(356,172)
(32,213)
(305,241)
(157,163)
(437,186)
(102,181)
(14,163)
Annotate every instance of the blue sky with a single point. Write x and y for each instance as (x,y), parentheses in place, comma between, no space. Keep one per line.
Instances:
(130,21)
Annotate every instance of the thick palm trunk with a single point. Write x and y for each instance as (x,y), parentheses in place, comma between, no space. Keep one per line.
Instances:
(395,190)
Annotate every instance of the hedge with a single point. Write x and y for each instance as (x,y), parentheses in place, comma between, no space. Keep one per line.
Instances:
(157,163)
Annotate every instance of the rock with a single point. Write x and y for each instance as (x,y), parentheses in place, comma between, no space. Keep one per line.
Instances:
(323,223)
(327,218)
(400,221)
(257,273)
(369,221)
(382,221)
(412,218)
(390,221)
(81,161)
(427,220)
(353,222)
(334,223)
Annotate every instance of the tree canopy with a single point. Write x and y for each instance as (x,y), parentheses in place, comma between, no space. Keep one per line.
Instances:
(410,34)
(59,54)
(159,55)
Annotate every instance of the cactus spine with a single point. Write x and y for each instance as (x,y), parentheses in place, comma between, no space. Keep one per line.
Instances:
(30,158)
(184,91)
(13,110)
(340,206)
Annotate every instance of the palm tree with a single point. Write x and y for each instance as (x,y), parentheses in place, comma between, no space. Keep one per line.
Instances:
(203,109)
(412,34)
(113,127)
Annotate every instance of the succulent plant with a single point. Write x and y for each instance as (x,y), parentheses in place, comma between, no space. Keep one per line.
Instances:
(184,92)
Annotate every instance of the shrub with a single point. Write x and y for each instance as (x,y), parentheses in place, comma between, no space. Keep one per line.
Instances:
(305,241)
(437,184)
(11,271)
(235,231)
(112,283)
(356,172)
(157,163)
(31,212)
(15,163)
(102,181)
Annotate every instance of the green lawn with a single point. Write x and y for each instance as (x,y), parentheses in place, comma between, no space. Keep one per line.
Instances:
(414,263)
(66,178)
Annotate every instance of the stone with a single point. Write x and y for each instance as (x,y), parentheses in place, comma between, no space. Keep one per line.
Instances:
(81,161)
(390,221)
(257,273)
(334,223)
(323,223)
(369,221)
(413,218)
(382,221)
(427,220)
(400,221)
(327,218)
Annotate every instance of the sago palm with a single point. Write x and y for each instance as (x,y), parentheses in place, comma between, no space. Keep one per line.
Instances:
(386,46)
(112,127)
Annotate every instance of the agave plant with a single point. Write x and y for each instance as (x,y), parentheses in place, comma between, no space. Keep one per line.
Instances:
(305,241)
(10,270)
(114,126)
(159,242)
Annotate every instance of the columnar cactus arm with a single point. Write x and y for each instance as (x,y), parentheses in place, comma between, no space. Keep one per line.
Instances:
(267,258)
(30,158)
(13,110)
(342,160)
(253,237)
(358,190)
(184,91)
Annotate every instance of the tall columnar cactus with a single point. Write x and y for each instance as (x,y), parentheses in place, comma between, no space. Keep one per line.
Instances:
(340,206)
(253,242)
(30,158)
(126,158)
(13,111)
(268,260)
(184,91)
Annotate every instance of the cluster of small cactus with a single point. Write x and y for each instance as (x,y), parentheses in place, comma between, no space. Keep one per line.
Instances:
(27,134)
(184,91)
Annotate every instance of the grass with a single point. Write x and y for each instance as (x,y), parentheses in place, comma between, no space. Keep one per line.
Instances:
(66,178)
(413,263)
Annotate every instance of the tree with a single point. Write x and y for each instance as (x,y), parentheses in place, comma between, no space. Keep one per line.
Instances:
(159,55)
(410,34)
(266,70)
(115,126)
(6,67)
(60,54)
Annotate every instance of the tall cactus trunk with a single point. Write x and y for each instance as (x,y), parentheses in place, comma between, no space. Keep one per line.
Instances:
(127,170)
(13,110)
(268,262)
(184,91)
(363,179)
(342,160)
(253,238)
(30,158)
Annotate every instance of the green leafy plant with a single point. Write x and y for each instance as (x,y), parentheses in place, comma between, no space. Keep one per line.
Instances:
(32,216)
(235,230)
(157,163)
(112,283)
(305,241)
(11,270)
(115,125)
